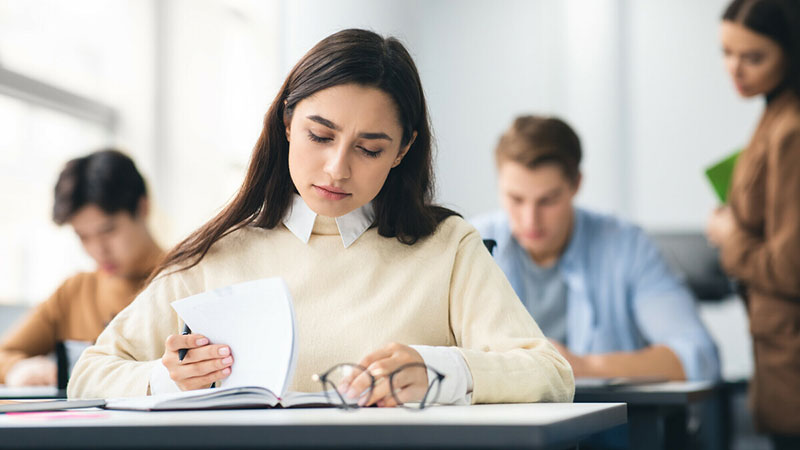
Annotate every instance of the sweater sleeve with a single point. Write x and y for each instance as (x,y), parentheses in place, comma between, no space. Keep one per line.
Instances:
(510,359)
(36,334)
(122,359)
(771,264)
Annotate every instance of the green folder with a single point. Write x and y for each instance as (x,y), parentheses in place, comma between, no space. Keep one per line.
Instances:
(720,175)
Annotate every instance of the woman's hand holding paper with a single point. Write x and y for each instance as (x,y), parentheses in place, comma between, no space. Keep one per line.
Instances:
(203,364)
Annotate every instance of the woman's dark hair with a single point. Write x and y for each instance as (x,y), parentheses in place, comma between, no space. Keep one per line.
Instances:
(403,207)
(534,140)
(106,178)
(778,20)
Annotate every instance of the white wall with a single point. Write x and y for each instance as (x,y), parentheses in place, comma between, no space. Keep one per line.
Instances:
(684,112)
(219,71)
(100,49)
(481,64)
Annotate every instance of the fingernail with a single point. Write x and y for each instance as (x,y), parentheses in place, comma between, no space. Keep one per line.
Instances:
(351,393)
(226,371)
(227,360)
(201,341)
(362,401)
(224,351)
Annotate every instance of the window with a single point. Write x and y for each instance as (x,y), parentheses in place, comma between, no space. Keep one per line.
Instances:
(74,77)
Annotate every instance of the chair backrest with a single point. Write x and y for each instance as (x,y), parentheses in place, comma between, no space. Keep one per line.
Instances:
(490,245)
(67,354)
(691,256)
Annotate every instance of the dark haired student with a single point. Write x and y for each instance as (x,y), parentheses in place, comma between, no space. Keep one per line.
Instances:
(337,201)
(597,285)
(103,197)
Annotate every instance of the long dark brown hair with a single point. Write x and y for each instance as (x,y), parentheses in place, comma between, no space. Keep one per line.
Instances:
(779,20)
(403,207)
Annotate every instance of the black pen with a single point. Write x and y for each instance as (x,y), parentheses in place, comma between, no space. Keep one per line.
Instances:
(182,351)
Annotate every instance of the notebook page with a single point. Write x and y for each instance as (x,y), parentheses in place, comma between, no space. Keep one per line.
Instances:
(254,318)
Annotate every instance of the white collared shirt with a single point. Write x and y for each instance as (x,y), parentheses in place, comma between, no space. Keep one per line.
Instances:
(300,221)
(457,385)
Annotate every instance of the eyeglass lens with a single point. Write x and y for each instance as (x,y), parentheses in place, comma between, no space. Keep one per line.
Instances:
(408,395)
(341,381)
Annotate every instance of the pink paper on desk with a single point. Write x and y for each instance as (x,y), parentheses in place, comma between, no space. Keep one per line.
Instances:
(60,415)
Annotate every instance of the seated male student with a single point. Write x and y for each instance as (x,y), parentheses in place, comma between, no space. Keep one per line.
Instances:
(103,197)
(597,286)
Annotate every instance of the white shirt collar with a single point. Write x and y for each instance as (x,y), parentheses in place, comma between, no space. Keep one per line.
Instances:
(300,221)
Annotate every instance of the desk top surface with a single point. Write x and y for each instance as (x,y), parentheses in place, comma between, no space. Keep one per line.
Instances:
(667,393)
(543,425)
(31,392)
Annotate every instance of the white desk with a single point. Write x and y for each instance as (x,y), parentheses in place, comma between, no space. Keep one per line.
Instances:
(667,393)
(657,413)
(38,392)
(545,426)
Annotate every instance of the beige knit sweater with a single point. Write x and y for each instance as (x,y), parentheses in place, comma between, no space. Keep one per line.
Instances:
(445,290)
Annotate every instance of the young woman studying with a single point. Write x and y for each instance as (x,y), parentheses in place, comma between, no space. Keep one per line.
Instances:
(759,232)
(337,201)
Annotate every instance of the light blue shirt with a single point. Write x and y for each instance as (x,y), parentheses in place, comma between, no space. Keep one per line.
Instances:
(621,295)
(545,296)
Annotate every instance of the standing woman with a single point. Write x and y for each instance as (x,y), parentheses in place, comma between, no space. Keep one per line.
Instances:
(759,233)
(337,201)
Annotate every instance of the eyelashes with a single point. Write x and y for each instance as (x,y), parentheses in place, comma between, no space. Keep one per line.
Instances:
(370,153)
(322,140)
(314,138)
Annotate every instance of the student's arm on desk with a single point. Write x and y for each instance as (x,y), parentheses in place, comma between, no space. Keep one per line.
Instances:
(680,346)
(653,361)
(35,335)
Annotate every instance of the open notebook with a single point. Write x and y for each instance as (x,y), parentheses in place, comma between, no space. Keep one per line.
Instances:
(243,397)
(256,319)
(226,398)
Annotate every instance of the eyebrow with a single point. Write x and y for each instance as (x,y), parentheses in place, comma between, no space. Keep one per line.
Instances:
(552,193)
(327,123)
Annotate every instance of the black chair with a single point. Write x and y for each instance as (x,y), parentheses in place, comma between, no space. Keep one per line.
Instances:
(490,245)
(62,363)
(690,255)
(67,354)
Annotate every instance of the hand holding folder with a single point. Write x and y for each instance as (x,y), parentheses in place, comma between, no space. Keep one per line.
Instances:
(720,175)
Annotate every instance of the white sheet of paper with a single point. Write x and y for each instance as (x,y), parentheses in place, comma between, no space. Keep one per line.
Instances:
(254,318)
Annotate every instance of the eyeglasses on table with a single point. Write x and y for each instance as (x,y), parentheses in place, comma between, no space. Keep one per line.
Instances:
(336,382)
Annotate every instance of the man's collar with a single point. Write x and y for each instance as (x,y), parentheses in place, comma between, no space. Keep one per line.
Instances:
(300,221)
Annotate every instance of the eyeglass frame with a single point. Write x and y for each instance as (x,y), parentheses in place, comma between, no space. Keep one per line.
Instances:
(344,404)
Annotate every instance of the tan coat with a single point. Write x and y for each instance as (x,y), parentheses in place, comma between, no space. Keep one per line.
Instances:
(764,254)
(79,310)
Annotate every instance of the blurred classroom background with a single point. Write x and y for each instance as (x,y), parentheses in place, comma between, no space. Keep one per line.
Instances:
(182,86)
